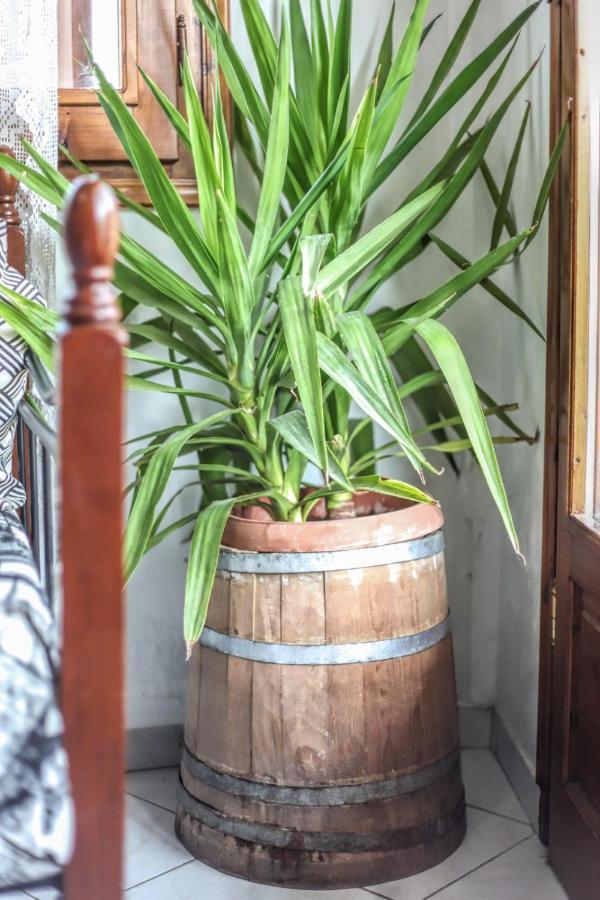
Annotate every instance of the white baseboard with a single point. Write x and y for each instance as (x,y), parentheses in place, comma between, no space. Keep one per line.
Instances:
(156,747)
(475,726)
(519,770)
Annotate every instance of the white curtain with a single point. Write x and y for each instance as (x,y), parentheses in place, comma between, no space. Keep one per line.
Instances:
(29,108)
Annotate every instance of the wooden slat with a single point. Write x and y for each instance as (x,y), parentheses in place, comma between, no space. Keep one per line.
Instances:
(305,714)
(367,604)
(91,389)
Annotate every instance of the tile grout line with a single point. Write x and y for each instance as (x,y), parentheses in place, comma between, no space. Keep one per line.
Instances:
(151,802)
(481,866)
(500,815)
(160,875)
(456,880)
(374,893)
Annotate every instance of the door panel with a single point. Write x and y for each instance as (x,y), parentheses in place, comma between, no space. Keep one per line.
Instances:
(569,755)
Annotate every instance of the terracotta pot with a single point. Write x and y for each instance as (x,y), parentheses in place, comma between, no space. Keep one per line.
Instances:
(321,739)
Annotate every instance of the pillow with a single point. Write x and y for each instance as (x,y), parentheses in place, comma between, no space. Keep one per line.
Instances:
(13,378)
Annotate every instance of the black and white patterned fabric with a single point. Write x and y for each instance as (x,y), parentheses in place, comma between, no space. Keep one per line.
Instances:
(36,821)
(35,807)
(13,379)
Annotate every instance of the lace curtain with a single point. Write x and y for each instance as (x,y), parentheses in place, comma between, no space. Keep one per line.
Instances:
(28,108)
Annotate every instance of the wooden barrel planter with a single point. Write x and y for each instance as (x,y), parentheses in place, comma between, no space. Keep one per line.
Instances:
(321,739)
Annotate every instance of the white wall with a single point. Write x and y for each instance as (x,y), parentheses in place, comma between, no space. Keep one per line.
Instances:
(495,598)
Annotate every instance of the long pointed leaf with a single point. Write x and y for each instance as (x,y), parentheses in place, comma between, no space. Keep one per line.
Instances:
(297,311)
(509,181)
(353,260)
(340,370)
(451,361)
(275,162)
(450,97)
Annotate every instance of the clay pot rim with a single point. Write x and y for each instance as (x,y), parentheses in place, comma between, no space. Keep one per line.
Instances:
(401,521)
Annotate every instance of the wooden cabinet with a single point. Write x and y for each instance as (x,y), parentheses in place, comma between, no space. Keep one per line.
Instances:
(125,34)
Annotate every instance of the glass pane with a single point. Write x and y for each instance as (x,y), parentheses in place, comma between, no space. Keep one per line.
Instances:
(99,22)
(589,76)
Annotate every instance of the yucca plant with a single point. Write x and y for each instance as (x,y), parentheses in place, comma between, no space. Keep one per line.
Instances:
(279,319)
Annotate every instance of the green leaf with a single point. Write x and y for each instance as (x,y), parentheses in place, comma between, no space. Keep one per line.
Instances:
(494,192)
(320,54)
(306,204)
(137,383)
(353,260)
(53,176)
(168,203)
(445,296)
(237,292)
(202,566)
(169,108)
(544,195)
(275,162)
(334,363)
(509,181)
(448,59)
(393,488)
(124,200)
(297,311)
(222,149)
(348,200)
(446,200)
(263,44)
(312,252)
(158,274)
(293,428)
(340,64)
(152,487)
(31,179)
(239,81)
(304,71)
(396,87)
(372,362)
(386,53)
(451,361)
(487,284)
(455,91)
(207,179)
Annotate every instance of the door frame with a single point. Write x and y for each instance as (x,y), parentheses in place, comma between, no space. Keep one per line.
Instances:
(566,370)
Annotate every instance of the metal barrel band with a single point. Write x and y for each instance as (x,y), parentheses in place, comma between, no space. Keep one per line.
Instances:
(334,795)
(317,841)
(325,654)
(240,561)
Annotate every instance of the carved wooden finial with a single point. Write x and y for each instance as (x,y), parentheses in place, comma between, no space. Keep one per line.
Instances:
(8,191)
(91,225)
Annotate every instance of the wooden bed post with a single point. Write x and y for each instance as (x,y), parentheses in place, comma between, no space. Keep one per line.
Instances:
(91,410)
(8,212)
(15,240)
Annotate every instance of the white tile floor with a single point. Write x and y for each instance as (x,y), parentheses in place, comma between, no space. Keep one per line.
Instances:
(501,859)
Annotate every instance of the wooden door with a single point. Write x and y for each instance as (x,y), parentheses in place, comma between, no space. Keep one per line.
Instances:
(569,745)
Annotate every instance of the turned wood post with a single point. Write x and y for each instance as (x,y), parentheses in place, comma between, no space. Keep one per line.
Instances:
(8,212)
(91,410)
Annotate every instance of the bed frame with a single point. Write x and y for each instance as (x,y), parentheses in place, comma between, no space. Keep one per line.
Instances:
(89,466)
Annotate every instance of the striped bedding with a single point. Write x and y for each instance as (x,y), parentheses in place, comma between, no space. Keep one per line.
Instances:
(13,379)
(35,807)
